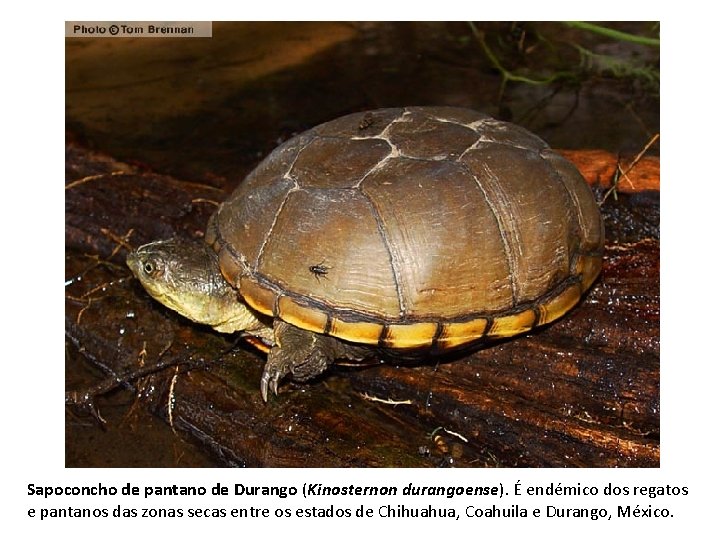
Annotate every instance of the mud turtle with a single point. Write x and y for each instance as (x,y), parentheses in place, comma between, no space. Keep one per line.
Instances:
(396,231)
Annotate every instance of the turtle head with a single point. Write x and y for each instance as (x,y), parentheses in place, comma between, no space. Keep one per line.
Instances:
(185,276)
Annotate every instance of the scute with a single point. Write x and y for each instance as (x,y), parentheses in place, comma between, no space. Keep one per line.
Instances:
(426,138)
(416,227)
(318,165)
(334,229)
(453,244)
(534,212)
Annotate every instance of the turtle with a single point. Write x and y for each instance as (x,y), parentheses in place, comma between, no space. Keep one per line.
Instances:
(392,233)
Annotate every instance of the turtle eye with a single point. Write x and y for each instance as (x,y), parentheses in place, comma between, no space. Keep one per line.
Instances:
(152,268)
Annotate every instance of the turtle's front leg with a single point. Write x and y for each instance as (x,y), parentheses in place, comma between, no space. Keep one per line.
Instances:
(304,355)
(298,352)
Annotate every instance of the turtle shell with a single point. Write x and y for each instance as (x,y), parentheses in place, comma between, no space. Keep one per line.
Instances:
(414,227)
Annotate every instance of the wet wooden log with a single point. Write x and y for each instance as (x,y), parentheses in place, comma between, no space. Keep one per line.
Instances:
(582,392)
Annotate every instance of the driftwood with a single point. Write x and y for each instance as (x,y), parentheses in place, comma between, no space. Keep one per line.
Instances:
(582,392)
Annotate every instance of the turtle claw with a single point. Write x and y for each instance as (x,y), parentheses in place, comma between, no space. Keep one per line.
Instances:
(304,355)
(264,387)
(271,378)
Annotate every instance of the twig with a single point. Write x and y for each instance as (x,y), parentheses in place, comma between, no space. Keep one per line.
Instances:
(171,398)
(614,34)
(120,241)
(86,399)
(386,401)
(643,151)
(79,181)
(204,200)
(97,261)
(446,430)
(623,174)
(506,74)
